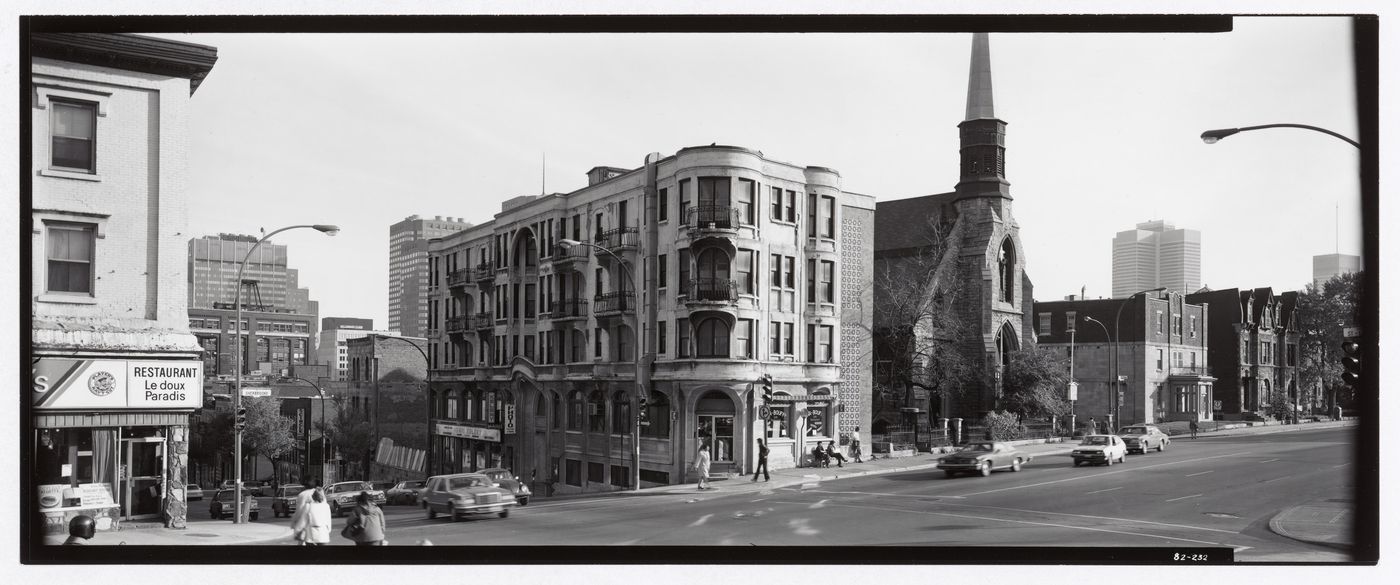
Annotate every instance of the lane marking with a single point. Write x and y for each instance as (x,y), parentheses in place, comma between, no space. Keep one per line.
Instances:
(1276,478)
(1082,477)
(1047,513)
(1269,460)
(1201,473)
(819,504)
(1102,491)
(1185,497)
(702,520)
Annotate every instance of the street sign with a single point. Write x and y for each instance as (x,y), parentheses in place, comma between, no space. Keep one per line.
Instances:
(1074,390)
(1351,332)
(764,412)
(257,391)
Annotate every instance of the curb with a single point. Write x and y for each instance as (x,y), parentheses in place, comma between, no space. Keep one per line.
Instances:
(1278,525)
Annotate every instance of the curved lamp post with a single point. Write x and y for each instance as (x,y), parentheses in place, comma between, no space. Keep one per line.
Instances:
(322,394)
(239,510)
(428,381)
(1113,349)
(1214,136)
(636,361)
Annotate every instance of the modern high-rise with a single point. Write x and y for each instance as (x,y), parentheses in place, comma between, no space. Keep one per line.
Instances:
(1156,254)
(278,314)
(1326,266)
(408,269)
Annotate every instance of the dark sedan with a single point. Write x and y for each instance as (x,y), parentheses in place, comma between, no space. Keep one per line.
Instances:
(222,505)
(506,480)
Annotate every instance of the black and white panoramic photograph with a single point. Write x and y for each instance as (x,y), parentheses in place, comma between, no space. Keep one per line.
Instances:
(759,295)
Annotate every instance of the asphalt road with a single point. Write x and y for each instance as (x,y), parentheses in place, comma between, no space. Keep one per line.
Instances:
(1207,492)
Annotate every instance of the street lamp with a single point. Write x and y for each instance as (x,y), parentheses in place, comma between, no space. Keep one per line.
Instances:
(322,394)
(636,361)
(1214,136)
(1112,385)
(238,517)
(1117,420)
(428,380)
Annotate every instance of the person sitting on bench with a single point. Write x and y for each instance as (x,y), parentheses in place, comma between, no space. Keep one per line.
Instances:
(819,457)
(832,453)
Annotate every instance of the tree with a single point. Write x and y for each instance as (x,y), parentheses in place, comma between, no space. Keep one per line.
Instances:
(351,437)
(268,433)
(1320,316)
(1034,384)
(917,325)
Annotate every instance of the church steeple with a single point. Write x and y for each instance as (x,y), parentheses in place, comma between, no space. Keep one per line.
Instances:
(983,135)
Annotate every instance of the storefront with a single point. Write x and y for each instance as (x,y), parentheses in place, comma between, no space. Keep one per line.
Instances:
(110,439)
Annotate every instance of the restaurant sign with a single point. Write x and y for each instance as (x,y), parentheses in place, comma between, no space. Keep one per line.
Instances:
(63,383)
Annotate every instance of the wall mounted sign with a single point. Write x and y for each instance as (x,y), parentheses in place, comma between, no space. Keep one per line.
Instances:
(63,383)
(466,432)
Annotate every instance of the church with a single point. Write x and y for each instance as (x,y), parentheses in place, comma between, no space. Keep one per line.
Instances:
(953,299)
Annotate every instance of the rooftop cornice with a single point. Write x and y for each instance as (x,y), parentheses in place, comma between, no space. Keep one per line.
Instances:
(130,52)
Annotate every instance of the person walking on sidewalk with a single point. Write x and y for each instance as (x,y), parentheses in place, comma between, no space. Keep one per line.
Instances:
(762,461)
(855,445)
(1093,426)
(832,453)
(312,522)
(366,523)
(1194,428)
(702,467)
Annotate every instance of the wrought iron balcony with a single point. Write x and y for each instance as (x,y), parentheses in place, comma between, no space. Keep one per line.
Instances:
(484,272)
(458,278)
(1189,371)
(568,255)
(614,303)
(482,320)
(568,309)
(617,240)
(712,218)
(712,291)
(457,324)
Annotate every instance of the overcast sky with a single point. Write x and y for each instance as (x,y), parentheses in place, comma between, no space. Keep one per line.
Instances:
(1103,133)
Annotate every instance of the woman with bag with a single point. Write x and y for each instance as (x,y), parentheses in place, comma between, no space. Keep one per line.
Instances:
(366,523)
(312,522)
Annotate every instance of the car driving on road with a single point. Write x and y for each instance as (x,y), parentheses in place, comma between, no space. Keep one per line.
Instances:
(465,494)
(1103,449)
(506,480)
(405,492)
(983,457)
(222,505)
(193,492)
(342,495)
(1140,438)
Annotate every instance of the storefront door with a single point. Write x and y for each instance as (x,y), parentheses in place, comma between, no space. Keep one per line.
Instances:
(142,478)
(717,431)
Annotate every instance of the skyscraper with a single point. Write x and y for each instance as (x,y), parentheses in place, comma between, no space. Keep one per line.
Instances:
(1156,254)
(1325,266)
(408,270)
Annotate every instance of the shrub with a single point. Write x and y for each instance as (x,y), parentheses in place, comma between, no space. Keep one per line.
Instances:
(1004,426)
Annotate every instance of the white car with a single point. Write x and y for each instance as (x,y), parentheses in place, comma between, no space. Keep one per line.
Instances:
(1105,449)
(342,495)
(193,492)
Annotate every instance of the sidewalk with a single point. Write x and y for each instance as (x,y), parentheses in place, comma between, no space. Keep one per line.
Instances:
(220,532)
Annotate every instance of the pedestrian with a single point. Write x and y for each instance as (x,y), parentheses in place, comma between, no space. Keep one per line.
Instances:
(762,461)
(702,466)
(1194,428)
(312,522)
(855,445)
(819,456)
(366,523)
(80,529)
(832,453)
(1093,426)
(311,485)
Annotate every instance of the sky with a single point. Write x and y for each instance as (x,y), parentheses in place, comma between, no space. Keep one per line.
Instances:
(363,130)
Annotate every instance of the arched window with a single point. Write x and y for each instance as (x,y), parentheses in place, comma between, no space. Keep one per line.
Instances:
(1006,271)
(621,413)
(541,405)
(597,412)
(576,411)
(1006,343)
(658,421)
(712,338)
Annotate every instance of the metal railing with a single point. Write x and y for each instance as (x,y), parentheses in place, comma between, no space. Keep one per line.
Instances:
(459,277)
(1189,371)
(566,308)
(484,271)
(457,324)
(722,217)
(719,290)
(482,320)
(564,255)
(616,239)
(613,302)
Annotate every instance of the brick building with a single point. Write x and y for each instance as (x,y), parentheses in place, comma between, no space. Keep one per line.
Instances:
(536,345)
(331,349)
(116,373)
(387,386)
(1254,349)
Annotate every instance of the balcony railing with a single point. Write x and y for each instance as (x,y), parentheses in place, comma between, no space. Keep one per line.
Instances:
(1190,371)
(613,303)
(618,239)
(568,309)
(459,277)
(484,271)
(457,324)
(712,217)
(563,255)
(482,320)
(712,290)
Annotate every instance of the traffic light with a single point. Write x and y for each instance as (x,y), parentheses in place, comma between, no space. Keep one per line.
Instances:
(767,389)
(240,418)
(1351,364)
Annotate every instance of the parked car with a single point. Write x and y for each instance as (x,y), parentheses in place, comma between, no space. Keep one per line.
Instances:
(382,485)
(506,480)
(983,457)
(193,492)
(405,492)
(465,494)
(285,502)
(222,505)
(259,487)
(1103,449)
(1140,438)
(228,484)
(342,495)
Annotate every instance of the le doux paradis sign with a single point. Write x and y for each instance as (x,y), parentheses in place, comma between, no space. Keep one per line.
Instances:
(63,384)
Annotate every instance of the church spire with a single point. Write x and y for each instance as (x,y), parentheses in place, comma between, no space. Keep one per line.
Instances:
(979,80)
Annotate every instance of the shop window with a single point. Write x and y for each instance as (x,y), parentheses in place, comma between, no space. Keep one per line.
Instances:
(595,472)
(652,476)
(621,476)
(778,424)
(70,253)
(572,475)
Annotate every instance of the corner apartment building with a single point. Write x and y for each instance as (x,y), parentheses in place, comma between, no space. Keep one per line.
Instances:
(115,371)
(697,274)
(1156,254)
(1162,355)
(1254,348)
(408,269)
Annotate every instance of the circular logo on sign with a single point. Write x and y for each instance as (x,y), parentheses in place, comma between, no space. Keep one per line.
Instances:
(102,383)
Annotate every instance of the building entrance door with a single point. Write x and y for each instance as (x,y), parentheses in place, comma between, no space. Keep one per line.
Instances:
(717,430)
(142,478)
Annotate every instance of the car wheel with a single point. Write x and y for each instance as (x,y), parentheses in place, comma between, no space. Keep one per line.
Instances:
(456,517)
(986,468)
(1162,446)
(1016,465)
(1108,460)
(505,513)
(522,501)
(252,516)
(432,514)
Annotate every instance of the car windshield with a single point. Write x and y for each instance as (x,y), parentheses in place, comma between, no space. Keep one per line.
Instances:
(290,490)
(410,485)
(465,482)
(980,447)
(1133,431)
(227,496)
(498,474)
(350,486)
(1095,440)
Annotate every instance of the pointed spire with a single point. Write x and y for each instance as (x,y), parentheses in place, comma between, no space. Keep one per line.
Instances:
(979,80)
